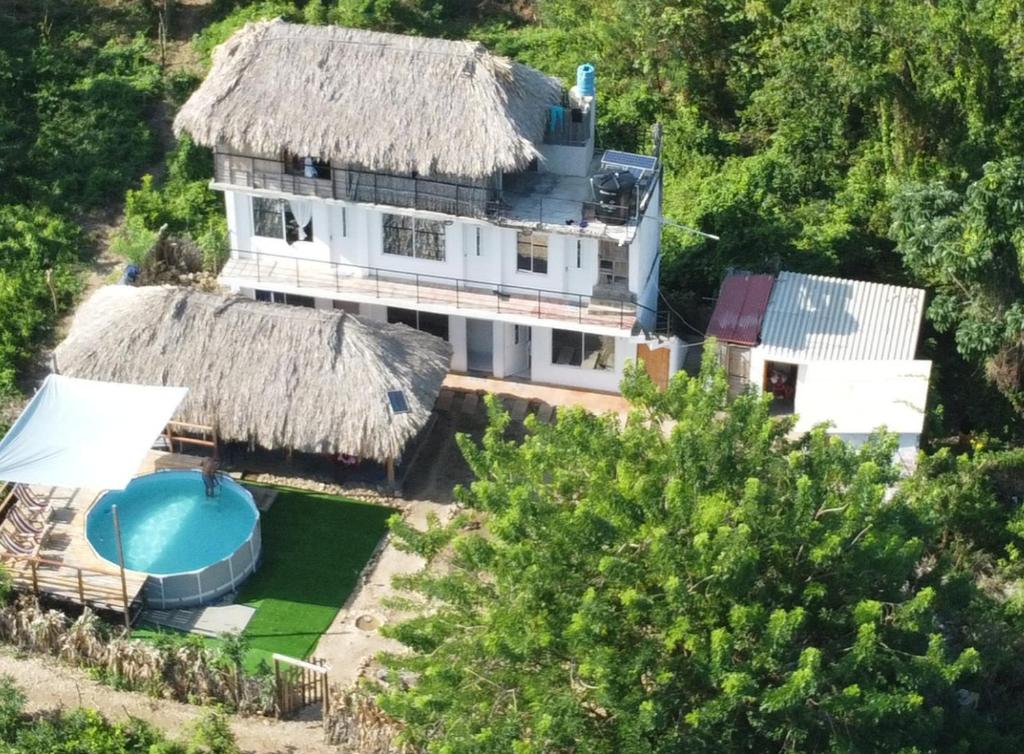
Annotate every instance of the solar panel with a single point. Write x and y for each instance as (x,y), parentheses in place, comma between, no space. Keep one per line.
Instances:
(399,404)
(633,162)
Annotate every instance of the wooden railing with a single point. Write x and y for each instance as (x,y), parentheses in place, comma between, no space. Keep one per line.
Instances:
(186,433)
(92,586)
(7,497)
(299,683)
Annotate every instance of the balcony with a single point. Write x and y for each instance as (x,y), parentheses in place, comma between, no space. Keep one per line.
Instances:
(536,200)
(252,269)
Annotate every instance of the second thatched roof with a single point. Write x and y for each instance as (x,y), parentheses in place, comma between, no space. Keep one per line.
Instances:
(364,99)
(275,375)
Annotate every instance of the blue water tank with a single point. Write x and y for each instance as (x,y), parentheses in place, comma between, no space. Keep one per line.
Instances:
(585,80)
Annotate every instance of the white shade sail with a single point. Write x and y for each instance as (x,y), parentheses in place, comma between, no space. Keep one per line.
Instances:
(83,433)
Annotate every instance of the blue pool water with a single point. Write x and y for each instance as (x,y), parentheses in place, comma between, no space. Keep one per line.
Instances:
(168,525)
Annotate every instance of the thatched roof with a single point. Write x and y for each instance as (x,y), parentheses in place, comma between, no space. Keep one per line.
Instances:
(364,99)
(276,375)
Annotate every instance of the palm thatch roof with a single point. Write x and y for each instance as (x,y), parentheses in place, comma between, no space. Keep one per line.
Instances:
(369,100)
(274,375)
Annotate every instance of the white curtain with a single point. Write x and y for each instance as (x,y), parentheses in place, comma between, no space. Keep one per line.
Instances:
(302,211)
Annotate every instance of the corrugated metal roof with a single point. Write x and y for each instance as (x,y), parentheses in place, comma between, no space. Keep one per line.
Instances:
(815,318)
(741,307)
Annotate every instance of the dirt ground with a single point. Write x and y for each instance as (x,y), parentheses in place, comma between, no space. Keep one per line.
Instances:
(49,685)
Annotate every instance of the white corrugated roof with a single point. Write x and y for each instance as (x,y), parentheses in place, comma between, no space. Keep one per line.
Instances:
(817,318)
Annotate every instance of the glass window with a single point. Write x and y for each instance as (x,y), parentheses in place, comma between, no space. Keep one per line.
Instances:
(586,350)
(532,252)
(349,307)
(276,297)
(273,218)
(267,217)
(414,237)
(435,324)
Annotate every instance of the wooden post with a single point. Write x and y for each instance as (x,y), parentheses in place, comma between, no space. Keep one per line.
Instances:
(81,588)
(390,465)
(215,436)
(120,563)
(277,686)
(35,579)
(170,438)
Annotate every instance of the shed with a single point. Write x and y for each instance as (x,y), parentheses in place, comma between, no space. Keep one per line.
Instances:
(830,350)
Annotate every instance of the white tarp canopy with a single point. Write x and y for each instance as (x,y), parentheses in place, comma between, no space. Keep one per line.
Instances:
(83,433)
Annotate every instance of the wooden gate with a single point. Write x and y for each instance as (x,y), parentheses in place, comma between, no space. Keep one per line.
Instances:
(656,361)
(300,684)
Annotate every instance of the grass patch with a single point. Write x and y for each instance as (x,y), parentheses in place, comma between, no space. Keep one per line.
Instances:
(314,548)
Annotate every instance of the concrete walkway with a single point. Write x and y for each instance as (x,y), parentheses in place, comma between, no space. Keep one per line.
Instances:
(591,400)
(353,640)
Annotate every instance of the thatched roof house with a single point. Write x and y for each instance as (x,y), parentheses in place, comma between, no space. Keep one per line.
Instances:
(275,375)
(363,99)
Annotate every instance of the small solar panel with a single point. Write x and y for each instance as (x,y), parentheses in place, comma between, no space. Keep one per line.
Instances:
(633,162)
(399,404)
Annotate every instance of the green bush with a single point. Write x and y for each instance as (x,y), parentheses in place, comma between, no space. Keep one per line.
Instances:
(205,41)
(134,241)
(212,735)
(38,252)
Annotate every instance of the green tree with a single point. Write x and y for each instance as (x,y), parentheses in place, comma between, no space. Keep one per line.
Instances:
(970,249)
(717,587)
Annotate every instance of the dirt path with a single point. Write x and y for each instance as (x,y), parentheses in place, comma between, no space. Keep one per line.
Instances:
(49,685)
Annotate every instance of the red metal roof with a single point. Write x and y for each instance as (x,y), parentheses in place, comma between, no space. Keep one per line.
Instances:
(742,302)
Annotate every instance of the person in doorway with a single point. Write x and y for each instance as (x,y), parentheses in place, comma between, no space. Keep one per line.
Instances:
(210,478)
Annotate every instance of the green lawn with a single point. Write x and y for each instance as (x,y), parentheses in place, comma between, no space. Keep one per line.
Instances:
(314,548)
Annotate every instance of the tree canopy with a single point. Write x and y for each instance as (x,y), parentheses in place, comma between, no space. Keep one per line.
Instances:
(719,587)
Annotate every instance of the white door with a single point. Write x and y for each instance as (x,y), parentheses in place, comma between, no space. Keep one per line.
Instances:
(480,345)
(580,265)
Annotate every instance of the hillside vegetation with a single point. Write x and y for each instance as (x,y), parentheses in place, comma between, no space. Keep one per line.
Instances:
(880,140)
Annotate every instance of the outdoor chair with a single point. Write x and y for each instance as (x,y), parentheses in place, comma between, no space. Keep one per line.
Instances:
(18,548)
(25,523)
(26,496)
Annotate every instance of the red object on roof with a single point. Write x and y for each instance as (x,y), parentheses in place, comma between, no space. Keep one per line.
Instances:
(742,302)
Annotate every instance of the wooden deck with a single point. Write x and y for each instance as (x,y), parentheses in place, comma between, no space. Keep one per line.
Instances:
(66,566)
(398,289)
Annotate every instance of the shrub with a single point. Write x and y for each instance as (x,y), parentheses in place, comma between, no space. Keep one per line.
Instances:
(212,735)
(134,241)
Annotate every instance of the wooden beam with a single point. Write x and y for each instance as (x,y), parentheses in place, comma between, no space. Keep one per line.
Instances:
(120,563)
(390,465)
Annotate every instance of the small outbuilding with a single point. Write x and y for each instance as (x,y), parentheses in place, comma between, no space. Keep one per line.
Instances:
(827,349)
(271,375)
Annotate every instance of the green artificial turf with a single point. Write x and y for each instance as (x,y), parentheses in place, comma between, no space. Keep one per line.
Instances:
(314,548)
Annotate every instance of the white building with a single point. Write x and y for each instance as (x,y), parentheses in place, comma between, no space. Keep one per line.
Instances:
(429,182)
(830,350)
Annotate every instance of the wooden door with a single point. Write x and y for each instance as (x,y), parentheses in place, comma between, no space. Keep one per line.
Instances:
(656,361)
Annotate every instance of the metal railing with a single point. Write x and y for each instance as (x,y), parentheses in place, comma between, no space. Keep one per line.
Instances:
(419,288)
(482,202)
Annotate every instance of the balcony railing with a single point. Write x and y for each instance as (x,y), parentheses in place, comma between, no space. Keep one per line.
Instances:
(407,288)
(515,206)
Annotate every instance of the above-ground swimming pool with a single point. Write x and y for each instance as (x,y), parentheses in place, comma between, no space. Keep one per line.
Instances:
(194,548)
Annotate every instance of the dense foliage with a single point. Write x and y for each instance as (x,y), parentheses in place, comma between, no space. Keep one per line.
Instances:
(86,731)
(718,588)
(75,87)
